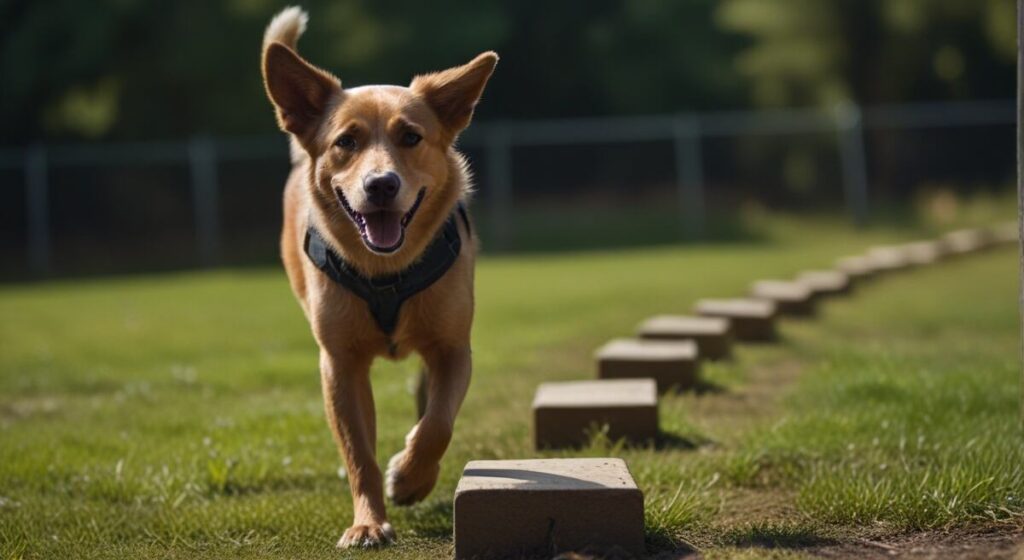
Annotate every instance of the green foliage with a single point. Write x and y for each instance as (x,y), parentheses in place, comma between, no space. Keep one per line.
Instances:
(131,69)
(145,69)
(821,52)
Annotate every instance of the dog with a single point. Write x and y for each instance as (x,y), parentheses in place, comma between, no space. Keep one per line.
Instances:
(379,252)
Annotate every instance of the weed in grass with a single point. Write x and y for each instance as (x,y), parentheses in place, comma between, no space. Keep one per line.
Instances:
(742,468)
(219,476)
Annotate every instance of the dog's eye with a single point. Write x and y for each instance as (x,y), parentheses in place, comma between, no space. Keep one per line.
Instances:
(411,139)
(346,142)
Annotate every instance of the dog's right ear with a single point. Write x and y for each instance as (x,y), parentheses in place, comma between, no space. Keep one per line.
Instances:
(299,91)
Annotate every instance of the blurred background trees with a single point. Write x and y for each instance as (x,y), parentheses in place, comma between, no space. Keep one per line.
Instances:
(143,69)
(873,51)
(132,129)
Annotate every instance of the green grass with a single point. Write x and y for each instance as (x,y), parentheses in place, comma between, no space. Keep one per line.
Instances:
(180,415)
(920,429)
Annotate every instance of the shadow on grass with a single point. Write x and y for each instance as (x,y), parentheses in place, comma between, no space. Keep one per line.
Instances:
(551,228)
(431,519)
(772,535)
(221,481)
(701,387)
(705,387)
(670,441)
(663,546)
(778,338)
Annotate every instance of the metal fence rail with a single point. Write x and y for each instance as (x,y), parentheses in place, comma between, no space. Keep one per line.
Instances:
(686,132)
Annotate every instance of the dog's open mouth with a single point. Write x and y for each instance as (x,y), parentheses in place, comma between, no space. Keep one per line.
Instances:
(382,231)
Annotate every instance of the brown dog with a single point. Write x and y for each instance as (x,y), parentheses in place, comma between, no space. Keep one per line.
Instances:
(375,197)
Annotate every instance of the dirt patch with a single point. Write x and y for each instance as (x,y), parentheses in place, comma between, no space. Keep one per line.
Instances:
(722,412)
(760,505)
(1000,541)
(996,542)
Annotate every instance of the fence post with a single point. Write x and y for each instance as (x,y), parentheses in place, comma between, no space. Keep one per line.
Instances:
(499,182)
(37,197)
(202,158)
(853,160)
(686,141)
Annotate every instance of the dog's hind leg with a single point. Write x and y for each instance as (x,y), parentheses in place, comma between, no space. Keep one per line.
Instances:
(350,411)
(413,472)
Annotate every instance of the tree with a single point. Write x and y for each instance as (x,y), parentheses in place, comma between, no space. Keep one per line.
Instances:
(820,52)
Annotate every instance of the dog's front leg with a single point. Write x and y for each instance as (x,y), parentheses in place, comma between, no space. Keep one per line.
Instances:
(413,472)
(350,412)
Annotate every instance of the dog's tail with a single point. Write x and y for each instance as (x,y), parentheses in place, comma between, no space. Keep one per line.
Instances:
(286,28)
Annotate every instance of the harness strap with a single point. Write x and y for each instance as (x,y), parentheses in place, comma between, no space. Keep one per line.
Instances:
(385,294)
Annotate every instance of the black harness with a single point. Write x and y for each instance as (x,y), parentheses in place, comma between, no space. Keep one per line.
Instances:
(386,294)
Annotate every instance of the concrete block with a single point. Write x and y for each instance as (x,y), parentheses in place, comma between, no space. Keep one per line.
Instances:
(565,413)
(751,319)
(539,508)
(857,267)
(713,335)
(825,282)
(924,252)
(965,241)
(888,257)
(790,298)
(671,363)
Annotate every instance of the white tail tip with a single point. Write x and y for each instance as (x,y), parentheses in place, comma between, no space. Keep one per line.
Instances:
(286,27)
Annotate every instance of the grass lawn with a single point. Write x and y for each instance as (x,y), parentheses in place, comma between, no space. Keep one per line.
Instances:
(179,416)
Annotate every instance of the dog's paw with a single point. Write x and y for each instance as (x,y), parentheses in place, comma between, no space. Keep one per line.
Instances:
(367,536)
(406,485)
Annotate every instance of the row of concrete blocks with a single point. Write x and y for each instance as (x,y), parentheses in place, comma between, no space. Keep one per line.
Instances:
(667,351)
(525,508)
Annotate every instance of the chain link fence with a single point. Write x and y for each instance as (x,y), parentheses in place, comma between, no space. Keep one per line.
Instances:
(542,185)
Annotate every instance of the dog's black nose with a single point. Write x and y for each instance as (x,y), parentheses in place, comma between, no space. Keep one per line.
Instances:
(381,188)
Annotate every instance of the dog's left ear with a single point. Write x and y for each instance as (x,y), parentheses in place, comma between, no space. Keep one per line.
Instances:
(453,93)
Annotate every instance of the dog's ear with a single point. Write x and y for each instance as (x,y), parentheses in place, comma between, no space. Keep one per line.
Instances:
(453,93)
(299,91)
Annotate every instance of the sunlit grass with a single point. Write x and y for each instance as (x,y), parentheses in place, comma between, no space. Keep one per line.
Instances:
(180,415)
(913,421)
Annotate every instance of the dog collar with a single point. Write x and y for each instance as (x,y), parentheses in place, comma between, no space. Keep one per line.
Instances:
(386,294)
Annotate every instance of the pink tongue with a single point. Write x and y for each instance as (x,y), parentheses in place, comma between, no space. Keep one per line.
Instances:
(384,229)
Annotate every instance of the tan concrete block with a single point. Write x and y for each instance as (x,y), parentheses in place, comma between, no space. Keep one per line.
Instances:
(967,240)
(565,413)
(713,335)
(857,267)
(670,363)
(888,257)
(790,298)
(751,319)
(924,252)
(543,507)
(825,282)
